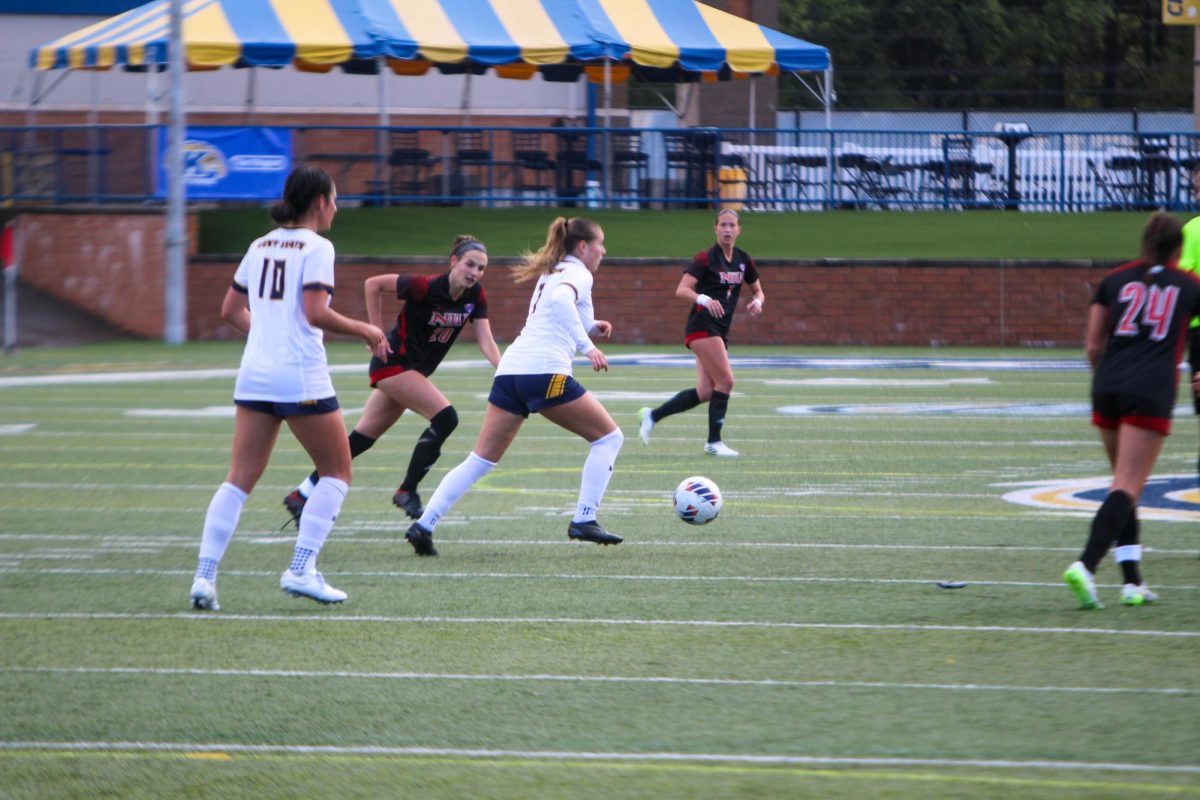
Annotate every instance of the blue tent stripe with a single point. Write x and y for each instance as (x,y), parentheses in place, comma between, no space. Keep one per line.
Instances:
(698,49)
(602,29)
(573,28)
(355,26)
(394,38)
(264,40)
(796,55)
(478,25)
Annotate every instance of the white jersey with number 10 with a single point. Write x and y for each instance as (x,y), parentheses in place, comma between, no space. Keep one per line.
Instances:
(284,360)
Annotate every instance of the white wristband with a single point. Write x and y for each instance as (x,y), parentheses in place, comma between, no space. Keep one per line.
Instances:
(703,299)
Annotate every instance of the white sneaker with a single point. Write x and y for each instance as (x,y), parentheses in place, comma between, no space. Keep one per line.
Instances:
(647,425)
(1083,584)
(204,595)
(720,449)
(310,584)
(1136,594)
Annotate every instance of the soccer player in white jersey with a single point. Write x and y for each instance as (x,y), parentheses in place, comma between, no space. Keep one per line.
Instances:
(534,375)
(280,299)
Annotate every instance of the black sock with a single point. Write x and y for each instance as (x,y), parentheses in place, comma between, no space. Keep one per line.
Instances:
(429,447)
(718,404)
(1108,524)
(684,401)
(359,444)
(1130,570)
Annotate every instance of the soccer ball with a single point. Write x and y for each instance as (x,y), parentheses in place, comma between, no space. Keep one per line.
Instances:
(697,500)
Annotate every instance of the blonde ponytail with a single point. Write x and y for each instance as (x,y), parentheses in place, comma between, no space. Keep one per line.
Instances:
(562,237)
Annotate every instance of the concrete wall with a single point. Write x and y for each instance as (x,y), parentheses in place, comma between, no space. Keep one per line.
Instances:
(100,262)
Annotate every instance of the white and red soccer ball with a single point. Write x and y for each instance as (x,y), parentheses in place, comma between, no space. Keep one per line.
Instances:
(697,500)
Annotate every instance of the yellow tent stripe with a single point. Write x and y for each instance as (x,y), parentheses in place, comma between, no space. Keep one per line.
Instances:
(746,47)
(426,20)
(316,29)
(636,22)
(530,27)
(47,53)
(216,43)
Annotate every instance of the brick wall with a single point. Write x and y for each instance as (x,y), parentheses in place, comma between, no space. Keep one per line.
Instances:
(110,264)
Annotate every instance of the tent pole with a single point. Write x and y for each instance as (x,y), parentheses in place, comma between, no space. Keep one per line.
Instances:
(152,94)
(175,328)
(753,108)
(607,130)
(827,96)
(93,139)
(251,91)
(384,123)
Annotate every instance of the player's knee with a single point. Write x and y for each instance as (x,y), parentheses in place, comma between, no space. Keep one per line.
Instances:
(444,422)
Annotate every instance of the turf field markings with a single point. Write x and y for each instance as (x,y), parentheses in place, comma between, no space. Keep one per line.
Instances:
(556,678)
(1056,585)
(570,621)
(883,382)
(267,539)
(16,429)
(585,755)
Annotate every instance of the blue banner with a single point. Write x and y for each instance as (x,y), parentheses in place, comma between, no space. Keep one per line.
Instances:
(230,163)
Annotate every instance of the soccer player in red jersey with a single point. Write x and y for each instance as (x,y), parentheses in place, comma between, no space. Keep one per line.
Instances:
(435,309)
(711,283)
(1137,329)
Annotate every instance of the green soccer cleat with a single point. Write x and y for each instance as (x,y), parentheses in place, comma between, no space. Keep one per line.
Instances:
(1083,584)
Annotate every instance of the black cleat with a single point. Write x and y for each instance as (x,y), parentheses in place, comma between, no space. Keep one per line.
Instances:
(294,503)
(591,532)
(421,540)
(409,503)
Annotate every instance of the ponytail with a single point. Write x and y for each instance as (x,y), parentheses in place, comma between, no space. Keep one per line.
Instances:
(1161,240)
(562,237)
(303,186)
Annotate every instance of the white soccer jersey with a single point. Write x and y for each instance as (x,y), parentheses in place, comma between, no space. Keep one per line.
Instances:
(549,339)
(284,360)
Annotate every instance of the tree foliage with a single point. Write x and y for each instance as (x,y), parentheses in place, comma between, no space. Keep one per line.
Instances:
(1062,54)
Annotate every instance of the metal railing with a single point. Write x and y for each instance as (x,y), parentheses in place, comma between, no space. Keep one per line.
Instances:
(757,169)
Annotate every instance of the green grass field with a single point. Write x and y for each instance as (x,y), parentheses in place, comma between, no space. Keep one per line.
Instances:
(799,646)
(986,235)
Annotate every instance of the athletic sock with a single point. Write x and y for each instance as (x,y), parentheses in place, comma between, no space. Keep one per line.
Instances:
(597,472)
(220,521)
(718,404)
(359,444)
(1128,551)
(1108,524)
(684,401)
(316,521)
(429,447)
(453,486)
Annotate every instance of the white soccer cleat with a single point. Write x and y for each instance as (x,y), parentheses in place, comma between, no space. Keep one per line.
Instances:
(720,450)
(1083,584)
(1137,594)
(646,425)
(310,584)
(204,595)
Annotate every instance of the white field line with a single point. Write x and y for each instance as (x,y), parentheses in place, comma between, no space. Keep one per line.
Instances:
(551,678)
(682,623)
(551,576)
(350,538)
(584,755)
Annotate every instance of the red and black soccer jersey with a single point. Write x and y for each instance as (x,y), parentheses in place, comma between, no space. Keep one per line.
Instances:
(1148,326)
(428,324)
(720,279)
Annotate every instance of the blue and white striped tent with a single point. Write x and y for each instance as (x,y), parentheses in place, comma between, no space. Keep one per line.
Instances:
(663,38)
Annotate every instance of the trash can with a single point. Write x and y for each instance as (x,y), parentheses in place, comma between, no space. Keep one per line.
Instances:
(732,183)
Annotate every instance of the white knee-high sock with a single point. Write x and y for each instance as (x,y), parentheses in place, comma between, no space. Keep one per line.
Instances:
(453,486)
(597,472)
(319,514)
(224,511)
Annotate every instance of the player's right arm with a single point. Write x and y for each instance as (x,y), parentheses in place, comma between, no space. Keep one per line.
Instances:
(686,290)
(235,309)
(1097,333)
(374,289)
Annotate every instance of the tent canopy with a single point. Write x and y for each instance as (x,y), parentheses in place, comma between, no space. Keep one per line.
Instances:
(660,39)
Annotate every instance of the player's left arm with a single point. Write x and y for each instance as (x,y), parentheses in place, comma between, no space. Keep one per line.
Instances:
(755,306)
(487,342)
